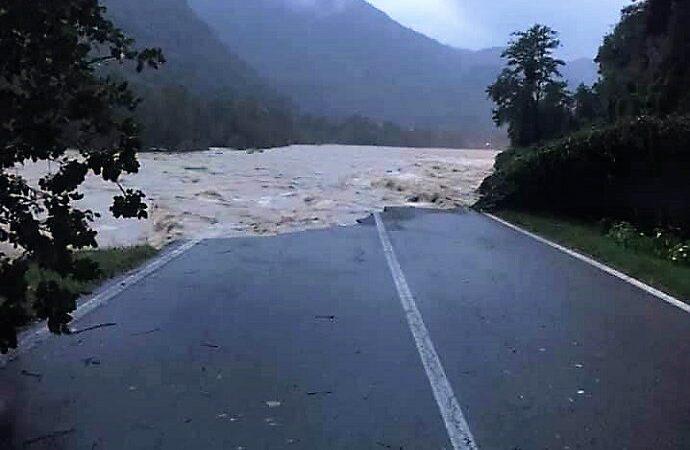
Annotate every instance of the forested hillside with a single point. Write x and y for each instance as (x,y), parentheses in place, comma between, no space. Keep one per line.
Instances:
(205,95)
(344,57)
(353,59)
(195,57)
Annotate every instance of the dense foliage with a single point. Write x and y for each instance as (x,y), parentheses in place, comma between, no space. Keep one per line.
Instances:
(53,99)
(645,61)
(636,170)
(632,159)
(663,243)
(530,95)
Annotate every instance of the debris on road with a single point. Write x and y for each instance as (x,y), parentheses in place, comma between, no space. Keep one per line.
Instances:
(95,327)
(91,361)
(36,375)
(384,445)
(47,436)
(143,333)
(271,422)
(325,317)
(319,393)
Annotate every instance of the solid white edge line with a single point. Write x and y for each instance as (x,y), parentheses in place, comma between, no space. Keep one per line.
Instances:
(458,430)
(30,338)
(611,271)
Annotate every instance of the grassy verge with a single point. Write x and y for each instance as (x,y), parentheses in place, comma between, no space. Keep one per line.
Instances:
(112,262)
(590,239)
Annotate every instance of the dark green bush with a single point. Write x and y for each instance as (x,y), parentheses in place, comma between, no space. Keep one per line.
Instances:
(637,171)
(665,244)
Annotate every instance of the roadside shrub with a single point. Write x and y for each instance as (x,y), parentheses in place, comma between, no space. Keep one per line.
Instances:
(681,253)
(665,244)
(624,233)
(636,171)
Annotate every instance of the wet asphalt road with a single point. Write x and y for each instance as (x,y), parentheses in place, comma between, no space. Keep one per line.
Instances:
(300,342)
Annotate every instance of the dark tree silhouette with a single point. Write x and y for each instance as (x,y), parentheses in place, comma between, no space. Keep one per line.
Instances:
(55,96)
(528,85)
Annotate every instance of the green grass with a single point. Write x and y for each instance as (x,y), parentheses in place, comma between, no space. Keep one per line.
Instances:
(590,239)
(112,262)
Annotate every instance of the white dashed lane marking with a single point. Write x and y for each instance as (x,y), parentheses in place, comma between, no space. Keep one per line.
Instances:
(458,430)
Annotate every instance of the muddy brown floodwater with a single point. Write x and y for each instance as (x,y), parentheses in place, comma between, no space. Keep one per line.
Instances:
(222,192)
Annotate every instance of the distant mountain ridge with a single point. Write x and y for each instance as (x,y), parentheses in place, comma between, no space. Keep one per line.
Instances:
(341,57)
(353,59)
(207,95)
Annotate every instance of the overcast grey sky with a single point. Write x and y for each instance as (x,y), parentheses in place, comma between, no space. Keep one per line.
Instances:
(486,23)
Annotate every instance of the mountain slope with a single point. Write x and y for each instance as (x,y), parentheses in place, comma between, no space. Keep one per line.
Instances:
(346,57)
(205,94)
(196,59)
